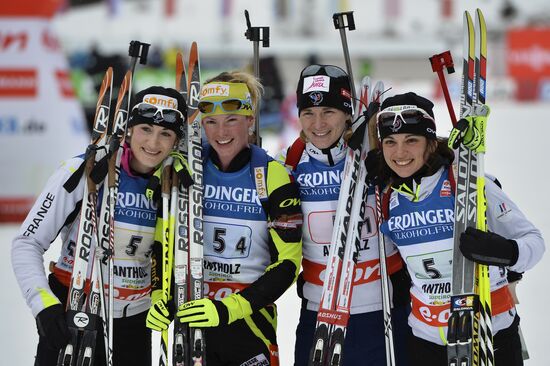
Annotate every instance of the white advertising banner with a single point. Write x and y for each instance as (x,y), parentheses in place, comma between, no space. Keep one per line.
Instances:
(41,121)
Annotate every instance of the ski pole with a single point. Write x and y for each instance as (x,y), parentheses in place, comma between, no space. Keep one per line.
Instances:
(137,50)
(384,277)
(256,34)
(438,62)
(341,22)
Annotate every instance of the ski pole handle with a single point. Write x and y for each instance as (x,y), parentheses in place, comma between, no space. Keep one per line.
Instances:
(137,50)
(438,62)
(341,22)
(256,34)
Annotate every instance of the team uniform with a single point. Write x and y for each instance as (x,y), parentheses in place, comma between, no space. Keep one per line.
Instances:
(252,250)
(57,212)
(422,229)
(319,182)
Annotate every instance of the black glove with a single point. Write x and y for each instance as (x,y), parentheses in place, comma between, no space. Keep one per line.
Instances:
(372,163)
(512,276)
(52,326)
(488,248)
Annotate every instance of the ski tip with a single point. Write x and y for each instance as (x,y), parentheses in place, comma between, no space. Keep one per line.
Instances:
(378,92)
(180,70)
(365,80)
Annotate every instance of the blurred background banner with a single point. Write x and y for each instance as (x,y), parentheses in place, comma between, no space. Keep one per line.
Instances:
(528,61)
(41,121)
(392,42)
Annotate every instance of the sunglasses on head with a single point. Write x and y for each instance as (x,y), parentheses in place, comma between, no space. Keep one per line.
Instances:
(228,105)
(408,114)
(149,111)
(332,71)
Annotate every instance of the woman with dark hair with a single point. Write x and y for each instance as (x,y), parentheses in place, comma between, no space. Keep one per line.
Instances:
(417,167)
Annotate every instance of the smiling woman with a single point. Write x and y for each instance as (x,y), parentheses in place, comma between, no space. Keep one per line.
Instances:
(417,166)
(154,126)
(252,226)
(317,160)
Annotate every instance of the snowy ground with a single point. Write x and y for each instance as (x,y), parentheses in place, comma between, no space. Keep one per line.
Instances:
(517,150)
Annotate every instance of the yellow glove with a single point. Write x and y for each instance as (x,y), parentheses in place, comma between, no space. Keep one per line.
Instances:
(470,130)
(211,313)
(160,314)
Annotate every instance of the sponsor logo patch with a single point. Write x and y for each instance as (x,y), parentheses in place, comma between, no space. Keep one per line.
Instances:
(316,83)
(501,211)
(394,201)
(445,189)
(316,98)
(215,90)
(161,101)
(259,360)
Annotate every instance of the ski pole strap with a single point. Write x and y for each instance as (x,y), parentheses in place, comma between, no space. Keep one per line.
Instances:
(458,134)
(101,168)
(357,137)
(153,185)
(294,153)
(182,169)
(72,182)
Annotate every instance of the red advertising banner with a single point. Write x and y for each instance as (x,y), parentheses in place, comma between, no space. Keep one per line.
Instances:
(18,83)
(528,56)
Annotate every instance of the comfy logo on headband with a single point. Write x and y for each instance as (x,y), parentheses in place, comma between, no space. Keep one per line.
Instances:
(161,101)
(316,83)
(215,90)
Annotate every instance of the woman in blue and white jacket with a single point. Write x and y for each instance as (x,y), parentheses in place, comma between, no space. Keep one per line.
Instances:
(154,127)
(417,167)
(316,161)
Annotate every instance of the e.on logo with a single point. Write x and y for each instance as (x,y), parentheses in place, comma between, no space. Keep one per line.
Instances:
(18,83)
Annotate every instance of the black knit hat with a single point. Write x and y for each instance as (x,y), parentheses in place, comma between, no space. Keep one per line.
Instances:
(418,124)
(164,99)
(324,86)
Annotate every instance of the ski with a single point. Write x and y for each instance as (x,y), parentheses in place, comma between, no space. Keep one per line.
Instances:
(167,245)
(469,334)
(482,271)
(81,321)
(180,348)
(188,343)
(334,308)
(104,257)
(194,136)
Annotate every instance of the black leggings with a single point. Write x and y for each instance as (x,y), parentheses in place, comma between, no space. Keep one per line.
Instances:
(131,339)
(238,344)
(506,343)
